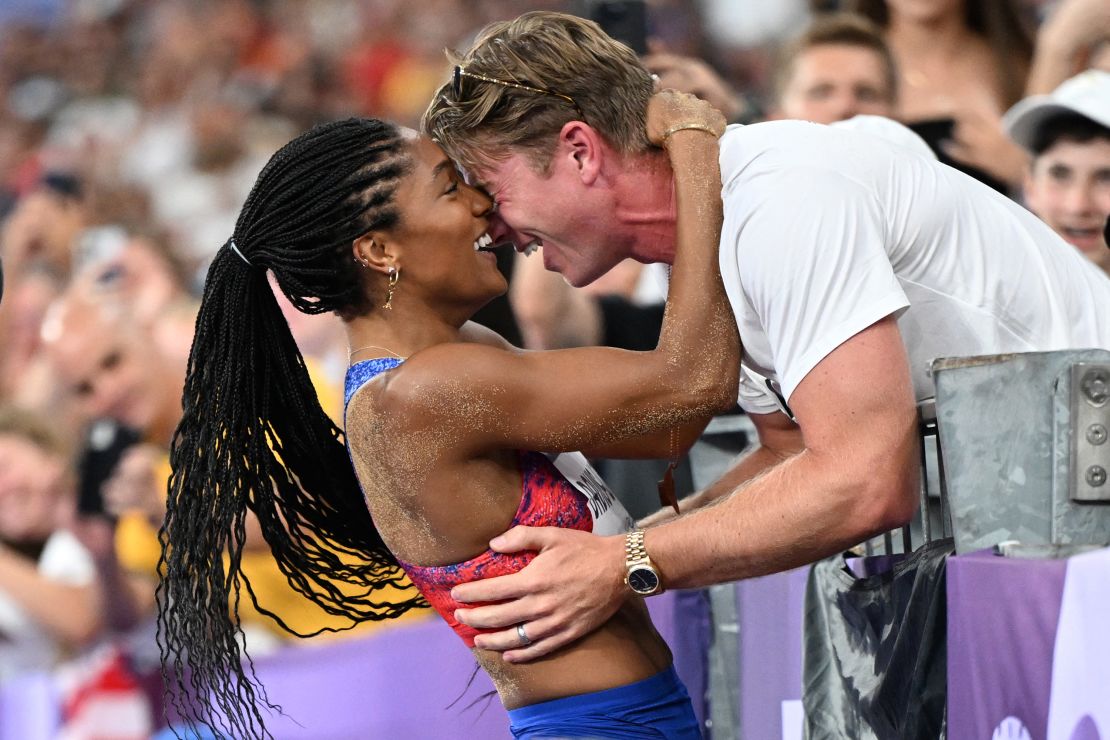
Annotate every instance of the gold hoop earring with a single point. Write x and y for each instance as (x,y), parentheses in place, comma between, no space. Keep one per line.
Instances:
(394,276)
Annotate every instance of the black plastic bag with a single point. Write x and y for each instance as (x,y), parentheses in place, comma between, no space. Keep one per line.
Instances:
(875,646)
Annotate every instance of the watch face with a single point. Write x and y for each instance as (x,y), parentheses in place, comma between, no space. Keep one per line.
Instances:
(643,580)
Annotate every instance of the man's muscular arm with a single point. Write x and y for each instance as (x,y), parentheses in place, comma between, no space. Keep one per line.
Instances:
(779,439)
(857,476)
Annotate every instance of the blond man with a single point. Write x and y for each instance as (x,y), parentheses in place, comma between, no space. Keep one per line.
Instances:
(850,261)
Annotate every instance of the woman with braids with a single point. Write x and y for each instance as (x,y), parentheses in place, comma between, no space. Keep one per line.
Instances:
(374,223)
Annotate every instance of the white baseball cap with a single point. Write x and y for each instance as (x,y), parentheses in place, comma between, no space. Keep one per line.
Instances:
(1087,94)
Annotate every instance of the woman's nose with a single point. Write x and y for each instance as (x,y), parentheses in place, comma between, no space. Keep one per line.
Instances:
(482,203)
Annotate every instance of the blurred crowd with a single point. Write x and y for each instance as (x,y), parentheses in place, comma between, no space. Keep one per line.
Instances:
(132,130)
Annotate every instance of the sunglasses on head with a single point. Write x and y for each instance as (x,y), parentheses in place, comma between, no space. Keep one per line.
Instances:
(461,72)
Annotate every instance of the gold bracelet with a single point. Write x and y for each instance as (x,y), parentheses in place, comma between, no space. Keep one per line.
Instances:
(680,126)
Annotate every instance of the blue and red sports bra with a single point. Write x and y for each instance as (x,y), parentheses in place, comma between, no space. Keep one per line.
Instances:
(548,499)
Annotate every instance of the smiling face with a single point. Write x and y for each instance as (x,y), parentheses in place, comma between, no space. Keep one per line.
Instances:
(31,486)
(1069,188)
(554,211)
(443,222)
(108,366)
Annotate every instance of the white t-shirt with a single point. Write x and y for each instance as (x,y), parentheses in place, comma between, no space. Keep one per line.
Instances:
(828,230)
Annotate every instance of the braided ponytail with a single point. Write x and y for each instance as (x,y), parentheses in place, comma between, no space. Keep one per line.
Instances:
(253,435)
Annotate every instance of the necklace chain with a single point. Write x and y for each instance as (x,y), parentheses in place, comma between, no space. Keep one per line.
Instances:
(352,352)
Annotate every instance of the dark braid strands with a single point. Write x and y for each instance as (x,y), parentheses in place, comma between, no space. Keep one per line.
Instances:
(253,435)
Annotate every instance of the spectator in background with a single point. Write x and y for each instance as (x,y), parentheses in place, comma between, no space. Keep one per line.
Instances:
(138,270)
(23,378)
(1068,183)
(48,598)
(107,366)
(112,366)
(36,244)
(696,77)
(42,226)
(839,67)
(55,605)
(961,63)
(1074,37)
(111,375)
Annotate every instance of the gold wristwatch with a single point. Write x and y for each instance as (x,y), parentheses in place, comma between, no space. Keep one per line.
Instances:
(642,576)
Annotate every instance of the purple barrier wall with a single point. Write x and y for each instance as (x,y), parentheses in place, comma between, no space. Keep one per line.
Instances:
(769,612)
(1002,623)
(400,682)
(683,619)
(1079,708)
(1002,615)
(29,708)
(396,683)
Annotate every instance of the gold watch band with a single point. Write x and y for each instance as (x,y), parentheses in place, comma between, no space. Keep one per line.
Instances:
(648,582)
(634,551)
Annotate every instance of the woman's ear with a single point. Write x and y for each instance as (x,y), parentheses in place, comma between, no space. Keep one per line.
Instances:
(374,253)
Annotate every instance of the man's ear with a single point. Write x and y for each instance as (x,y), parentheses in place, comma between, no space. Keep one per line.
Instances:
(582,147)
(374,252)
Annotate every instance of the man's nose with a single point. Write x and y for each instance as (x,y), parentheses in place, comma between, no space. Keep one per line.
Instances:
(501,232)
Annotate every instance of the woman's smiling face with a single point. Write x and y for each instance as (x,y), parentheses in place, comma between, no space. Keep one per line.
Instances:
(442,231)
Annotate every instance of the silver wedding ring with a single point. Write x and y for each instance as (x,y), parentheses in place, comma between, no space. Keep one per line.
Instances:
(525,641)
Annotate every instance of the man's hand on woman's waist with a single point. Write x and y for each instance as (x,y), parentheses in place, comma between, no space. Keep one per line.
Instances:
(571,588)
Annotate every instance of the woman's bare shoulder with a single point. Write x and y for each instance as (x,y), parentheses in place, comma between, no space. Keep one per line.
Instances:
(436,384)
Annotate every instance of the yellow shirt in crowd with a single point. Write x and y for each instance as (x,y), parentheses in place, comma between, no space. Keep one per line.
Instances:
(138,551)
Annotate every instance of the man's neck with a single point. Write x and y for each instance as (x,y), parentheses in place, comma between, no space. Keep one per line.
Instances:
(645,208)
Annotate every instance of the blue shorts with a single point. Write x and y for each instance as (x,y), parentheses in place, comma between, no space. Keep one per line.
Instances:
(657,707)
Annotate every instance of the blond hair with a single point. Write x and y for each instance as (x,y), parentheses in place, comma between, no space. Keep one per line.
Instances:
(837,29)
(560,55)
